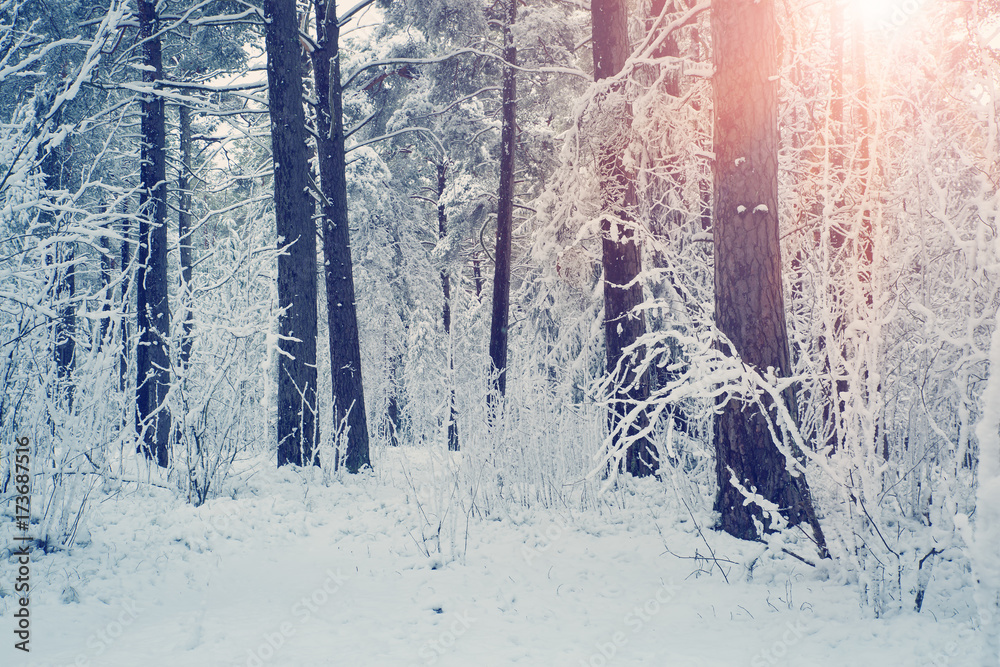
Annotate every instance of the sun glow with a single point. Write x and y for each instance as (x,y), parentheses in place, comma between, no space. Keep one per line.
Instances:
(887,16)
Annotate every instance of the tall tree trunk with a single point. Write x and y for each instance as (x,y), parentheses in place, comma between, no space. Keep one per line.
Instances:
(833,344)
(499,321)
(833,360)
(152,310)
(664,220)
(837,93)
(125,288)
(442,170)
(107,266)
(831,386)
(345,346)
(867,169)
(65,347)
(394,418)
(64,330)
(863,125)
(749,301)
(184,232)
(621,258)
(293,208)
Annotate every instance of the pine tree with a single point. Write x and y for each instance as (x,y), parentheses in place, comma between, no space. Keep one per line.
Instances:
(153,312)
(293,209)
(341,307)
(621,259)
(749,299)
(505,207)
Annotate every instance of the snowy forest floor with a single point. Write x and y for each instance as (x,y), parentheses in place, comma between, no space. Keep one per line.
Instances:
(300,570)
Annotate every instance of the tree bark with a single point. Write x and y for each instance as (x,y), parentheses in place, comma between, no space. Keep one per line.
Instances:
(184,232)
(477,276)
(152,310)
(65,348)
(126,260)
(621,258)
(345,346)
(107,266)
(442,170)
(499,321)
(749,300)
(64,330)
(293,207)
(394,416)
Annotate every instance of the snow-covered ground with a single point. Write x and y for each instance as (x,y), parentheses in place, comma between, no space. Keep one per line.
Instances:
(293,571)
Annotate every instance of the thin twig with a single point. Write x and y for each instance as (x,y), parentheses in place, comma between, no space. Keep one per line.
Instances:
(715,559)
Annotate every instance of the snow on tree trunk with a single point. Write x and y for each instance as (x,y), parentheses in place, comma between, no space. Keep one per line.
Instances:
(442,170)
(986,536)
(621,259)
(184,231)
(505,210)
(152,310)
(342,317)
(749,300)
(293,208)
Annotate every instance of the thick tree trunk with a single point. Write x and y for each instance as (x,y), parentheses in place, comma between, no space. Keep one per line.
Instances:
(442,171)
(153,313)
(293,208)
(184,232)
(749,301)
(499,321)
(345,346)
(621,258)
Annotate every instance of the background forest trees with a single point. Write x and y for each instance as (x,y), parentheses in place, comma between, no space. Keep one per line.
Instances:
(165,289)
